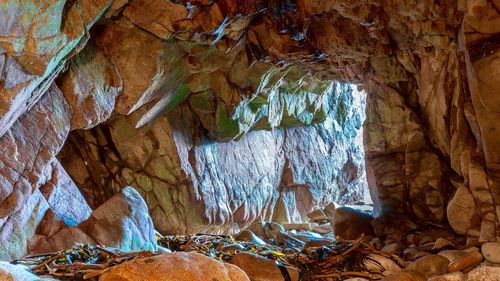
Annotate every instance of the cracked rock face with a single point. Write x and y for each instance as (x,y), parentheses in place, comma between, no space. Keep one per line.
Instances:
(221,113)
(175,166)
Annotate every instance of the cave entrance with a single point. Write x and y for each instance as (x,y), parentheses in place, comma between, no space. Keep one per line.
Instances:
(192,183)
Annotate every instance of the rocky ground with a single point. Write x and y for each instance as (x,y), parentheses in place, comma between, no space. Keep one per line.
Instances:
(271,251)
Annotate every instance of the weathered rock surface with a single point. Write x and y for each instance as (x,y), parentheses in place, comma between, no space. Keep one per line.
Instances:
(9,272)
(278,175)
(484,273)
(429,266)
(27,152)
(350,223)
(175,267)
(122,222)
(491,251)
(262,269)
(405,276)
(467,261)
(226,70)
(37,43)
(455,276)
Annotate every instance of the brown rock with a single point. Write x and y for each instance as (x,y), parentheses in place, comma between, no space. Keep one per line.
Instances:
(312,243)
(90,86)
(405,276)
(484,273)
(455,276)
(329,210)
(247,235)
(122,222)
(381,264)
(261,269)
(461,210)
(466,261)
(491,251)
(392,248)
(452,255)
(441,243)
(179,266)
(27,152)
(429,266)
(317,215)
(350,223)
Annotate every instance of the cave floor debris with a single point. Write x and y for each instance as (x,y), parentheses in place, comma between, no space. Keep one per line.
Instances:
(337,261)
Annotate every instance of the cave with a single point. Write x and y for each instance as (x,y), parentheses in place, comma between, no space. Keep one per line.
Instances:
(250,140)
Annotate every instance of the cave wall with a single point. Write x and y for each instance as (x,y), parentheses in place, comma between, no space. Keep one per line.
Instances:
(192,183)
(231,69)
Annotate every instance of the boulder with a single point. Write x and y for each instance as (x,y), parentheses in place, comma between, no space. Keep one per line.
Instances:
(429,266)
(249,236)
(261,269)
(461,210)
(350,223)
(179,266)
(10,272)
(467,261)
(452,255)
(122,222)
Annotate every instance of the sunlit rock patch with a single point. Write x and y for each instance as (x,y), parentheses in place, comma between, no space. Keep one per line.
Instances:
(193,183)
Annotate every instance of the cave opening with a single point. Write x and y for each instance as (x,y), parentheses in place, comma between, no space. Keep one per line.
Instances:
(192,182)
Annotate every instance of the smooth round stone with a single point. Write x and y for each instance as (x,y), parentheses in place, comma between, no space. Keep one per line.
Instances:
(491,251)
(452,255)
(429,266)
(454,276)
(375,262)
(249,236)
(467,261)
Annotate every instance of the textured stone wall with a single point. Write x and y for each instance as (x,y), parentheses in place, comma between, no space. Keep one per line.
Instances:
(192,183)
(206,77)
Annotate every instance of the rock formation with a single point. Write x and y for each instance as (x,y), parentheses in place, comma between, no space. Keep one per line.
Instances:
(220,113)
